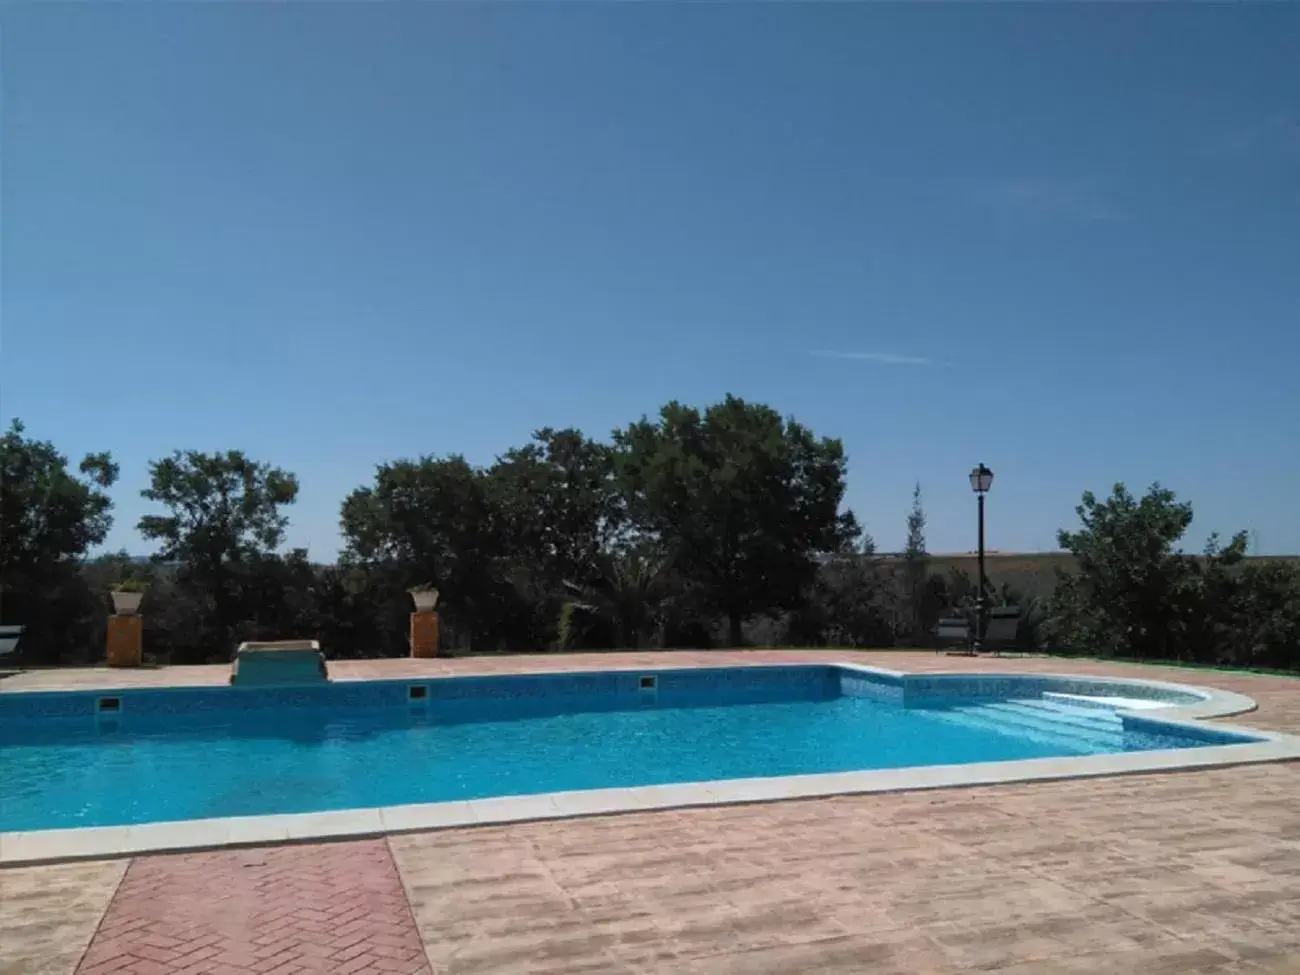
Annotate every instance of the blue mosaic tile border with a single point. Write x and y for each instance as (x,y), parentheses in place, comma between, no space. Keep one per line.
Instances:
(1197,732)
(919,688)
(813,679)
(785,682)
(190,700)
(877,687)
(47,704)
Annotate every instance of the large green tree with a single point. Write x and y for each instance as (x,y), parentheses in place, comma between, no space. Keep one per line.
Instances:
(225,518)
(435,520)
(49,517)
(1134,592)
(558,504)
(742,499)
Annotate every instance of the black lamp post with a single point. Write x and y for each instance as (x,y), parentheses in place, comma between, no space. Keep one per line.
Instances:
(981,479)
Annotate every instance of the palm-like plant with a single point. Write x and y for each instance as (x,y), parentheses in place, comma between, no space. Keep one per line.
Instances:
(629,590)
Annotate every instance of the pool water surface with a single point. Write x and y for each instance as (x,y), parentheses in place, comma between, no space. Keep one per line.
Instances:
(72,772)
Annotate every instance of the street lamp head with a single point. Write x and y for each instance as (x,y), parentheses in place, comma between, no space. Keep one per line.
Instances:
(981,479)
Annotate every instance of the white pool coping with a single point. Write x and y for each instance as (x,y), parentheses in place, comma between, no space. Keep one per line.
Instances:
(1118,703)
(57,845)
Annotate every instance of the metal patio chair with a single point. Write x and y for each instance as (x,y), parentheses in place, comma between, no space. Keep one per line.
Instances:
(953,632)
(1002,628)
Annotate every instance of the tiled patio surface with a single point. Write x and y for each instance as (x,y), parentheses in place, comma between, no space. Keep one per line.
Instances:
(276,911)
(1180,873)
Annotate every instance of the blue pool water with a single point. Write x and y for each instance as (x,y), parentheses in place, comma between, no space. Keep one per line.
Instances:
(144,766)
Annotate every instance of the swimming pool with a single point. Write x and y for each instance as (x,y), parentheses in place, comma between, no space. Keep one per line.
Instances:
(90,759)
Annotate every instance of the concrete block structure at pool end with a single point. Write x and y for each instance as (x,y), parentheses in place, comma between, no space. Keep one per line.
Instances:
(278,663)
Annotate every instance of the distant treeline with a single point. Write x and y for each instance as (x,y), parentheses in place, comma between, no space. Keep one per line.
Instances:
(697,528)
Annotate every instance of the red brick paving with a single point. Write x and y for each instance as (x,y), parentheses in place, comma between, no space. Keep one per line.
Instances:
(289,910)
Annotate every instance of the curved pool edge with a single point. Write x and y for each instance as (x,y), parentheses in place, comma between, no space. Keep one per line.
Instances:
(1209,702)
(35,847)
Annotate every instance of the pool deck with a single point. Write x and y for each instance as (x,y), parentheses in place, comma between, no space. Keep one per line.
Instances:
(1179,872)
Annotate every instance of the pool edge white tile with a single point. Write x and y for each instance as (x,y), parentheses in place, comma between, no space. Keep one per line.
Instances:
(333,823)
(514,809)
(427,815)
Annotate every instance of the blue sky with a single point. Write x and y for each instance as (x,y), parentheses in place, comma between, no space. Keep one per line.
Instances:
(1063,240)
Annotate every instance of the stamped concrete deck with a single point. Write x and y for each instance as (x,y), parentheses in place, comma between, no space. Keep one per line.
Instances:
(1179,873)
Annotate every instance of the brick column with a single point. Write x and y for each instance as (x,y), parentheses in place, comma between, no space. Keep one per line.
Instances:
(125,641)
(424,634)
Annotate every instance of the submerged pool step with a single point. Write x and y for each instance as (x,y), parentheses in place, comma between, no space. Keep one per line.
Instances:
(1022,715)
(1089,720)
(975,721)
(1043,725)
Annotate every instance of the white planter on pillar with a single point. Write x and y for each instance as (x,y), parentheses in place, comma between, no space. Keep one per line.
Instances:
(126,603)
(425,597)
(9,639)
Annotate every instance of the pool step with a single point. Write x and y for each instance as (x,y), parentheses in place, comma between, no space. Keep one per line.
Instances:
(1099,726)
(1064,742)
(1091,721)
(1044,725)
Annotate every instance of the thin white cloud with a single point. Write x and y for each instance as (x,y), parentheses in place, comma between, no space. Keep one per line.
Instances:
(885,358)
(1053,197)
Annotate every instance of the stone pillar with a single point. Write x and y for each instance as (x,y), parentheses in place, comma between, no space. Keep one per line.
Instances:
(125,640)
(424,634)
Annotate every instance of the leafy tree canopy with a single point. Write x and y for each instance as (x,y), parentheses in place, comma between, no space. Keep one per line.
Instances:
(434,519)
(1134,592)
(742,499)
(559,504)
(47,514)
(222,507)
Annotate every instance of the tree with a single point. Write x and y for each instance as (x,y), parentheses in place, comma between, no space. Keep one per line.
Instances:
(628,594)
(1133,592)
(850,604)
(915,570)
(363,611)
(558,506)
(225,512)
(1265,615)
(915,545)
(741,499)
(49,518)
(435,520)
